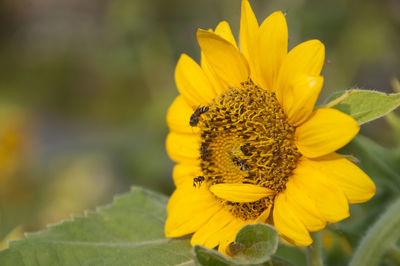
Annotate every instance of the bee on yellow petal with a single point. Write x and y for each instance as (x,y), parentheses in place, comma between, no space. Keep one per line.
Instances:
(198,180)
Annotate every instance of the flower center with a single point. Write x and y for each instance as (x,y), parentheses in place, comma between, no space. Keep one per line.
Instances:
(246,139)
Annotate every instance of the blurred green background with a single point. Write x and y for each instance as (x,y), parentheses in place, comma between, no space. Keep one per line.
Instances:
(85,86)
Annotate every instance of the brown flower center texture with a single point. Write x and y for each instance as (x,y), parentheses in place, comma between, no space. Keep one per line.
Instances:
(246,139)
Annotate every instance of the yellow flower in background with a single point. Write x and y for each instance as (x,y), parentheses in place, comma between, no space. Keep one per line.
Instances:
(16,233)
(14,142)
(249,144)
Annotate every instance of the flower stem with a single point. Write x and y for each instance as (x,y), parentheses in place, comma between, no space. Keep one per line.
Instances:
(380,238)
(314,251)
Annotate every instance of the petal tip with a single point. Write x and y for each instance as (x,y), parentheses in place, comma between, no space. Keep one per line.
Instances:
(223,23)
(278,13)
(316,43)
(276,17)
(201,32)
(245,6)
(183,56)
(371,192)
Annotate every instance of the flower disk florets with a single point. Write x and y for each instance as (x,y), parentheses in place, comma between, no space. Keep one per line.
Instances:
(246,139)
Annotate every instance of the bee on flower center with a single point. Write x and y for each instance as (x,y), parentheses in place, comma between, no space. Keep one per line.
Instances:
(245,149)
(243,165)
(195,117)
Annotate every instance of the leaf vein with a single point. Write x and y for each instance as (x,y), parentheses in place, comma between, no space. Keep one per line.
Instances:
(105,244)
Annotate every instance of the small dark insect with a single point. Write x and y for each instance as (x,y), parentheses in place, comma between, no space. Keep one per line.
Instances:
(204,156)
(235,160)
(245,136)
(194,118)
(198,180)
(204,153)
(203,148)
(245,149)
(236,247)
(243,165)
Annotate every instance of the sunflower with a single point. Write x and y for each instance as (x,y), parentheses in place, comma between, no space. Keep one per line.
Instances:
(250,146)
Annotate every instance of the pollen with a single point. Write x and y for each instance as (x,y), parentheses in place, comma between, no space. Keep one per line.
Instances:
(246,139)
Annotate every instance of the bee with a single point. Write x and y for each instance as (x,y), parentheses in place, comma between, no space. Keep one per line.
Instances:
(235,160)
(203,148)
(198,180)
(245,149)
(204,154)
(243,165)
(194,118)
(240,162)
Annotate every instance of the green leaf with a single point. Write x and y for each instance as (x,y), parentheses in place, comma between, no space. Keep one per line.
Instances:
(364,105)
(293,254)
(258,242)
(278,261)
(254,244)
(211,257)
(128,232)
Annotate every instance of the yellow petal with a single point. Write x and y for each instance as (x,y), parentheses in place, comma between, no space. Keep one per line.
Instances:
(189,221)
(178,117)
(224,30)
(183,172)
(305,59)
(326,131)
(225,59)
(207,231)
(328,197)
(304,207)
(299,101)
(264,215)
(248,30)
(237,192)
(288,224)
(218,84)
(249,39)
(273,42)
(192,83)
(189,208)
(225,233)
(14,234)
(183,147)
(356,185)
(185,190)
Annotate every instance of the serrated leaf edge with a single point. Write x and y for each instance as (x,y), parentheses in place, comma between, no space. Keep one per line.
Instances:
(86,213)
